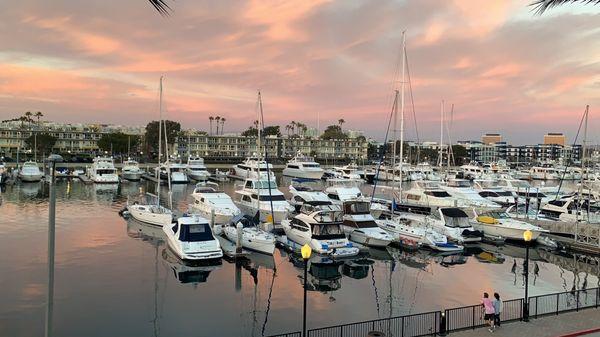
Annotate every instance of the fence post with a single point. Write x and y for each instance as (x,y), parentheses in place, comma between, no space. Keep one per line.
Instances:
(520,309)
(342,331)
(557,299)
(473,322)
(402,327)
(597,296)
(442,326)
(536,307)
(577,300)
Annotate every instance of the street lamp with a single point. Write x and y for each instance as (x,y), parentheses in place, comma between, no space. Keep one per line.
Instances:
(51,160)
(306,251)
(527,237)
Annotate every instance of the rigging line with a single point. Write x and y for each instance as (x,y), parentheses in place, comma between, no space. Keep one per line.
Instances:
(412,101)
(262,126)
(264,326)
(383,150)
(450,152)
(570,157)
(375,289)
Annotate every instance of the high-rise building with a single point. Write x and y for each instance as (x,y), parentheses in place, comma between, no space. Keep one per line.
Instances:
(555,138)
(491,138)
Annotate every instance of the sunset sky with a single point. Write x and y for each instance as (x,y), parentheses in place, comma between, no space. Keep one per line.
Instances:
(503,67)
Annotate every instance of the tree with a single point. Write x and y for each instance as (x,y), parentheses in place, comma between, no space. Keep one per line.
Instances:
(217,119)
(117,142)
(540,6)
(460,154)
(222,124)
(341,122)
(44,141)
(211,119)
(161,6)
(250,132)
(272,130)
(333,132)
(38,115)
(151,135)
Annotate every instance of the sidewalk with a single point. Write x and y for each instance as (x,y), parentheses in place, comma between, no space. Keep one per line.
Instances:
(547,326)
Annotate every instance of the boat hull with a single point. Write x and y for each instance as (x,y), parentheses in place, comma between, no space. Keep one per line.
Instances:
(30,178)
(141,213)
(132,176)
(303,174)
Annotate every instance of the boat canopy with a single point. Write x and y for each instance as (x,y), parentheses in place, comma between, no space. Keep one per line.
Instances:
(195,232)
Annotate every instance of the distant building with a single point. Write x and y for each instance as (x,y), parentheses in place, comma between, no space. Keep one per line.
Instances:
(353,133)
(553,138)
(491,138)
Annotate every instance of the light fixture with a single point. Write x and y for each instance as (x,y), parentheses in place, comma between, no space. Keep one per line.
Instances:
(306,251)
(527,235)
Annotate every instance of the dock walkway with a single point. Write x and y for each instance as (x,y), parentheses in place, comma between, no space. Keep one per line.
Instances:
(547,326)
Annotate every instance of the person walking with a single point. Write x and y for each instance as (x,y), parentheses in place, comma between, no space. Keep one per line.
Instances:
(498,307)
(488,308)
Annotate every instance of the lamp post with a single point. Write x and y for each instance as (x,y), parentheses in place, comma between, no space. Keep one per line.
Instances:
(527,238)
(306,251)
(51,160)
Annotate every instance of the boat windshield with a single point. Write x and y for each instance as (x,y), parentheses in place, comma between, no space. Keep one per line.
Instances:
(455,217)
(357,207)
(459,183)
(265,184)
(497,215)
(327,231)
(438,194)
(195,233)
(488,183)
(361,224)
(276,197)
(105,171)
(520,184)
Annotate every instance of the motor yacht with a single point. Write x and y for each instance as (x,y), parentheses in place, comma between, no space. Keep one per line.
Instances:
(571,208)
(350,171)
(461,189)
(253,238)
(208,199)
(304,167)
(427,172)
(175,169)
(302,193)
(406,227)
(342,193)
(499,223)
(431,194)
(191,238)
(252,168)
(360,226)
(196,170)
(321,228)
(30,172)
(131,170)
(545,172)
(454,223)
(103,171)
(263,197)
(490,190)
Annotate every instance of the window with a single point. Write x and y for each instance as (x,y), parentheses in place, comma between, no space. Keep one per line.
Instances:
(438,194)
(333,196)
(246,198)
(195,233)
(271,197)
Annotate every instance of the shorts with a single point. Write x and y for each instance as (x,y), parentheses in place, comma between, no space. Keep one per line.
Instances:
(488,317)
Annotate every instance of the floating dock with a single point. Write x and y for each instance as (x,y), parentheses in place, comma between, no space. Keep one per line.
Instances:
(230,250)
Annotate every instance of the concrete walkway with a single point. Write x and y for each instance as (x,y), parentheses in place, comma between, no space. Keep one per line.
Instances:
(547,326)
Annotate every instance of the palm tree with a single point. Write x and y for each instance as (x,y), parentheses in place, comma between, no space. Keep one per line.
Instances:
(217,119)
(540,6)
(161,6)
(222,124)
(341,122)
(256,124)
(287,129)
(293,123)
(39,115)
(211,119)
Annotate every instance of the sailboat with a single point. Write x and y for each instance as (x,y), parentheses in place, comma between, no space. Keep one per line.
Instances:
(150,211)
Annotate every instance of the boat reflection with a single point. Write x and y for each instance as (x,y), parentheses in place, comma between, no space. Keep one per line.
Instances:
(323,273)
(186,272)
(151,234)
(418,260)
(357,268)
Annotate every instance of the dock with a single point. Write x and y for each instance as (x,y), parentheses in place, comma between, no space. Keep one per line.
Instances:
(229,249)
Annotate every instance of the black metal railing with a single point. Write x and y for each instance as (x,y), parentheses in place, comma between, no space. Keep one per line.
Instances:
(468,317)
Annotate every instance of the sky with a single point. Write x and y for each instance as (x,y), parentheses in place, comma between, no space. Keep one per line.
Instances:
(503,68)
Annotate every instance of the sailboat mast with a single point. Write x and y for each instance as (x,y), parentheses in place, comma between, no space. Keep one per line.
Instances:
(258,126)
(441,152)
(583,150)
(402,108)
(159,142)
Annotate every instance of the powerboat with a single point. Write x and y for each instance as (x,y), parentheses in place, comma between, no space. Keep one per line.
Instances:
(499,223)
(304,167)
(208,200)
(263,197)
(454,223)
(427,172)
(431,194)
(30,172)
(545,172)
(490,190)
(131,170)
(253,238)
(176,169)
(406,228)
(150,211)
(191,238)
(253,168)
(321,228)
(196,169)
(360,226)
(571,208)
(302,193)
(342,193)
(461,189)
(103,171)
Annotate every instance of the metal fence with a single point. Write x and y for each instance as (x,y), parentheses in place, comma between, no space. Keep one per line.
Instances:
(468,317)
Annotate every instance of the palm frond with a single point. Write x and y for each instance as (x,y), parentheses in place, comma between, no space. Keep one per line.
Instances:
(161,6)
(540,6)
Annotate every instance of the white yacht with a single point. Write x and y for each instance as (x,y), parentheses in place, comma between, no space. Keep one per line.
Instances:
(360,226)
(304,167)
(431,194)
(253,238)
(321,228)
(545,172)
(131,170)
(103,171)
(490,190)
(252,168)
(191,238)
(461,189)
(407,227)
(571,208)
(473,171)
(176,169)
(454,223)
(263,197)
(196,169)
(427,172)
(208,200)
(342,193)
(150,211)
(302,194)
(30,172)
(499,223)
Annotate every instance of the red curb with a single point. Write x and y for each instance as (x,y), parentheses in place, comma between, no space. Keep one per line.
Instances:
(580,333)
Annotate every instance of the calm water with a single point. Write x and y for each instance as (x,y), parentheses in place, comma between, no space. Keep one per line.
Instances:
(117,278)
